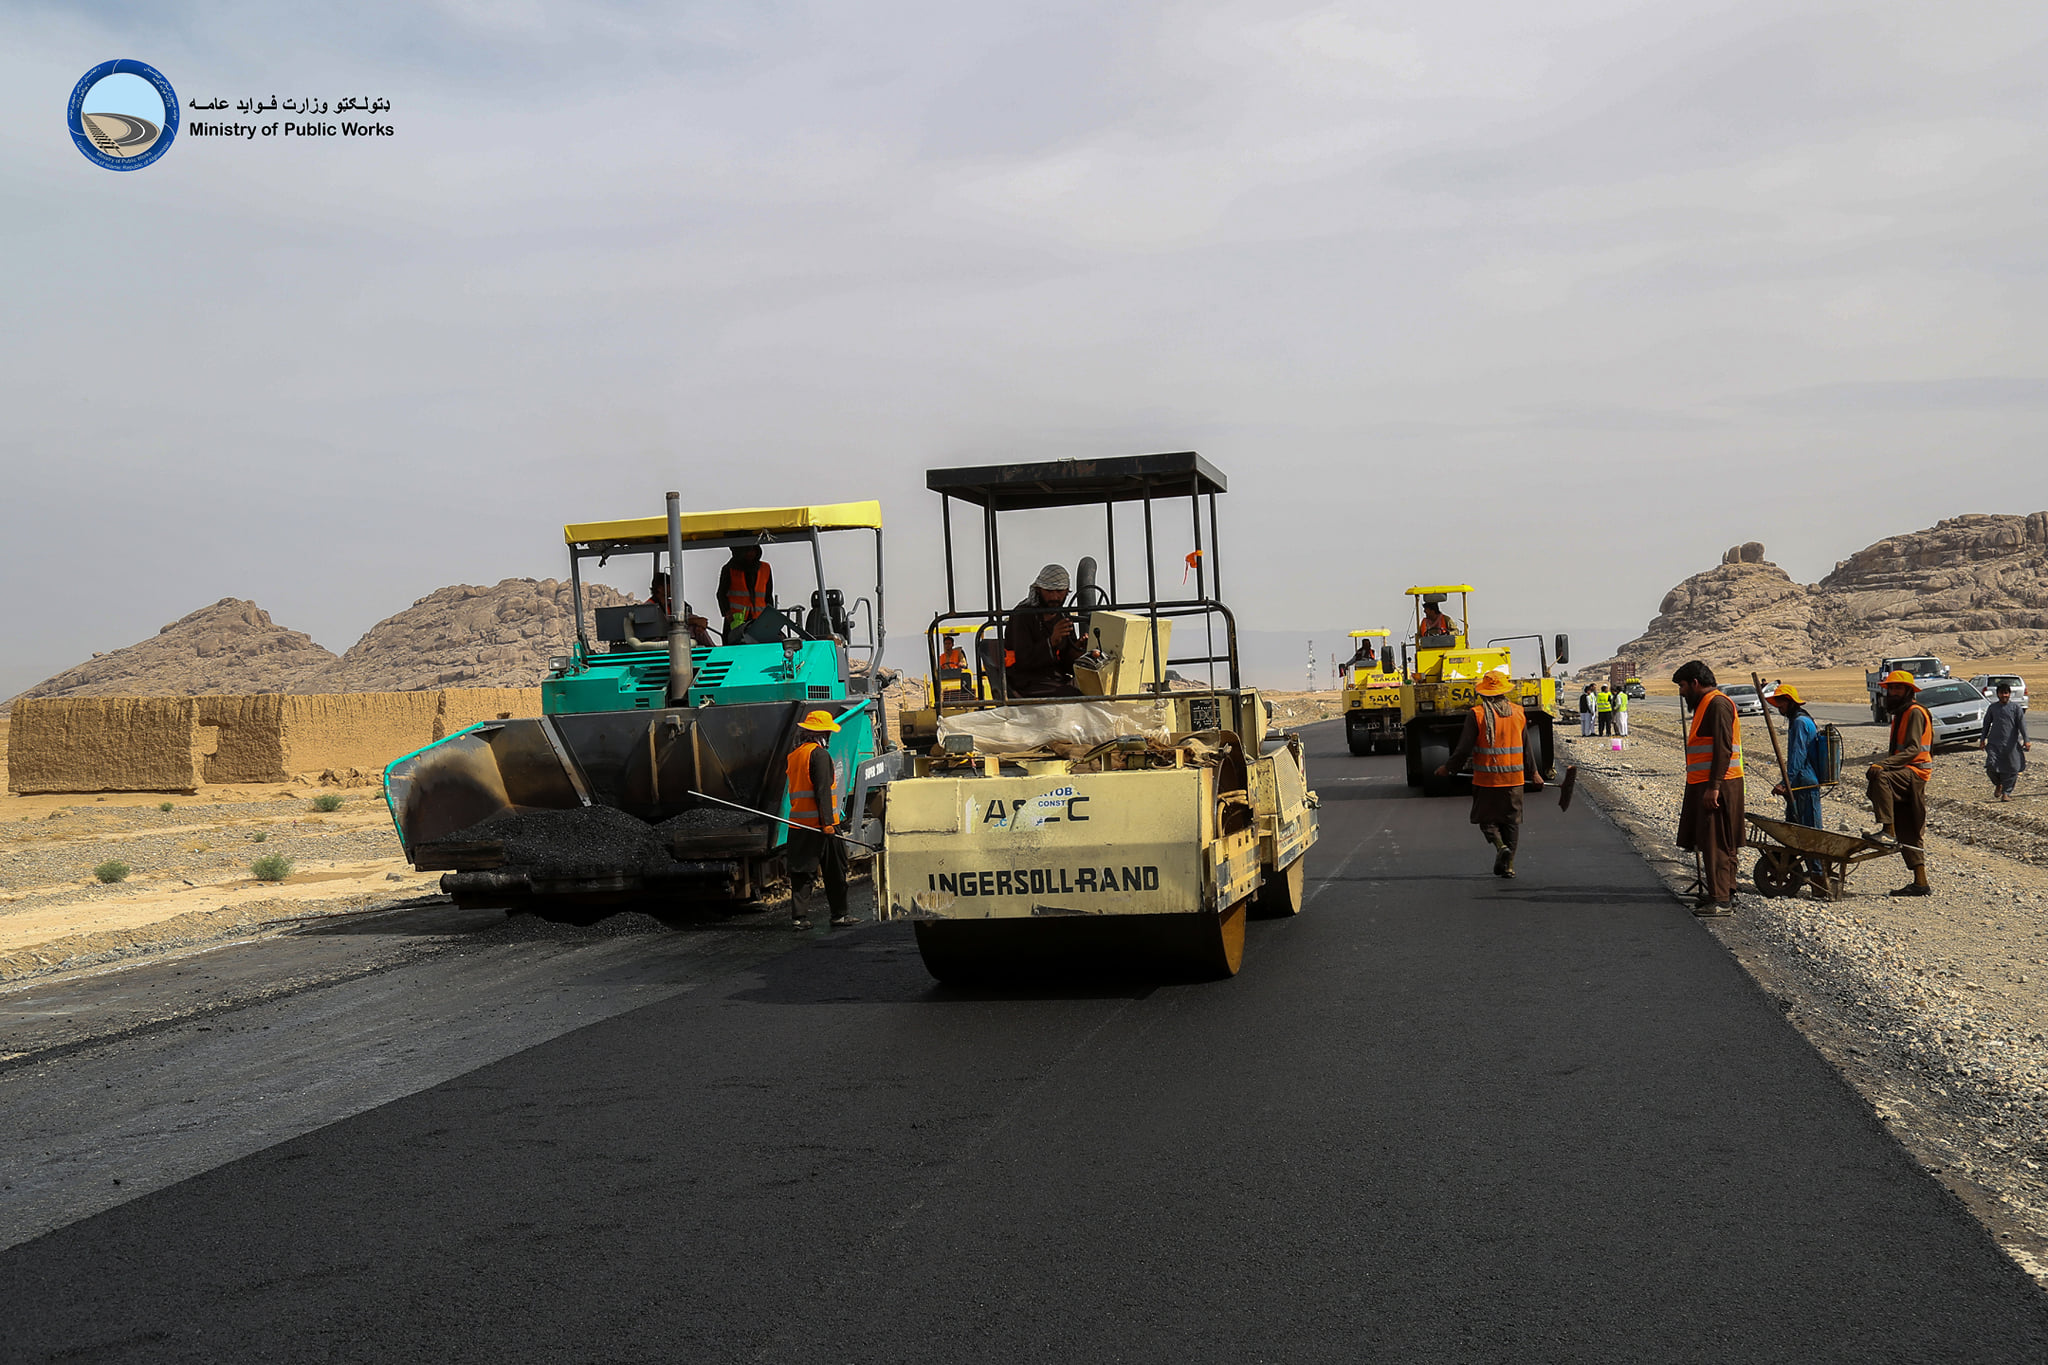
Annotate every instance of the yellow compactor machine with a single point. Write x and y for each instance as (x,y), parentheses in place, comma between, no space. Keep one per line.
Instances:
(1131,820)
(1372,696)
(1441,670)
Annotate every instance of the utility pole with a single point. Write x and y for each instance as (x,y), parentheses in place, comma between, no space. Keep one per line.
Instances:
(1311,665)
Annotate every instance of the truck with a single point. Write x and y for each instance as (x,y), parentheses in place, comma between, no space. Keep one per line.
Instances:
(1123,822)
(654,776)
(1924,668)
(1440,671)
(1372,696)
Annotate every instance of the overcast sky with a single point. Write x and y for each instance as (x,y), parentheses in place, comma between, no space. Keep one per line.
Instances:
(1558,298)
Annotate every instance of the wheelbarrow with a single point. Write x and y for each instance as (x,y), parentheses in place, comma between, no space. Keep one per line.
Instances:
(1784,849)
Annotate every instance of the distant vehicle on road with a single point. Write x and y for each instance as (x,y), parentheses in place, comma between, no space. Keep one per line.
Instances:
(1923,667)
(1634,688)
(1744,695)
(1989,683)
(1957,710)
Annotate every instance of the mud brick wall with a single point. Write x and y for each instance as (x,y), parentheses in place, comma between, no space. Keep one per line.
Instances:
(103,744)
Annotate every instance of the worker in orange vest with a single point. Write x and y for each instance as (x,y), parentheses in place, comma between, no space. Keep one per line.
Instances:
(1710,819)
(813,787)
(1434,622)
(953,666)
(746,588)
(1502,764)
(1898,781)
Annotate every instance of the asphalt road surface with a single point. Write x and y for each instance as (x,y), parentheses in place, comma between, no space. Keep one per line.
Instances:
(1440,1116)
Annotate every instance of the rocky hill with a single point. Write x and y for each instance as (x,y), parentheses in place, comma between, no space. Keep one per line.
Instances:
(466,636)
(230,647)
(1973,586)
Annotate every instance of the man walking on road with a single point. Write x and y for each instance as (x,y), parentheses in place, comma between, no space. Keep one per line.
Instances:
(1501,765)
(2005,743)
(1710,821)
(1898,781)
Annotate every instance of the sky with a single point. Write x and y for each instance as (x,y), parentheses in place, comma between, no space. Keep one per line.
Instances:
(1558,299)
(125,93)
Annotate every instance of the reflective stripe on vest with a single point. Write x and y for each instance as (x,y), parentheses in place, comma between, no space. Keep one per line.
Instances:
(742,599)
(1922,761)
(1497,757)
(803,799)
(1699,751)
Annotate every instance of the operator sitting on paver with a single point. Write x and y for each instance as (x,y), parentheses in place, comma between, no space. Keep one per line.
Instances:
(1501,765)
(1042,639)
(700,629)
(746,588)
(1434,622)
(953,668)
(1898,781)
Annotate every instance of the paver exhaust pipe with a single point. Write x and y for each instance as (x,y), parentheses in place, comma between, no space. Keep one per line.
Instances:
(678,615)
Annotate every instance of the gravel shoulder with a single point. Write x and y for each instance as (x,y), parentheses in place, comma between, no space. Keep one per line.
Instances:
(1935,1009)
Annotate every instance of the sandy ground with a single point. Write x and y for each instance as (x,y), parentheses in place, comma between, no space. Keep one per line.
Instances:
(1936,1009)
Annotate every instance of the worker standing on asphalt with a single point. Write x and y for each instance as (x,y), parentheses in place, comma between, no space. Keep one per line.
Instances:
(813,786)
(1603,706)
(1801,787)
(1898,781)
(1710,821)
(1501,765)
(746,588)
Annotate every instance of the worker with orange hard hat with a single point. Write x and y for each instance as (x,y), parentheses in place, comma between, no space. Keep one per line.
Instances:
(1898,781)
(1502,764)
(813,787)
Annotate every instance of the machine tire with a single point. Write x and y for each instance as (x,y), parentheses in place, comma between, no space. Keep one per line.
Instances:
(1539,731)
(1356,738)
(1877,715)
(1432,752)
(1281,896)
(1411,742)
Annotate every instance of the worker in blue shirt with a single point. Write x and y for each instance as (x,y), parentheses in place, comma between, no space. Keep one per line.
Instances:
(1802,764)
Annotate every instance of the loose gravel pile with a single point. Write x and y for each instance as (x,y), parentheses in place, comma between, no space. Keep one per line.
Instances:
(587,841)
(1942,1001)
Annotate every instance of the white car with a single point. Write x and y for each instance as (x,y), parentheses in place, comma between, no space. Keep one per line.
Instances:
(1988,684)
(1957,710)
(1744,695)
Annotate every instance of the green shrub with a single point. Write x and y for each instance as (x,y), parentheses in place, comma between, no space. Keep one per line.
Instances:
(327,801)
(112,870)
(259,836)
(271,867)
(166,805)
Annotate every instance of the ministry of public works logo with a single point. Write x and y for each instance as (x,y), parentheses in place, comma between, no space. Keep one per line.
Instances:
(124,114)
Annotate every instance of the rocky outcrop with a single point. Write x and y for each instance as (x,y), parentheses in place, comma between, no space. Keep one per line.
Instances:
(1970,587)
(230,647)
(467,636)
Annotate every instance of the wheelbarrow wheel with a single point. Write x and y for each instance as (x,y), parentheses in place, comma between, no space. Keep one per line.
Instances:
(1779,874)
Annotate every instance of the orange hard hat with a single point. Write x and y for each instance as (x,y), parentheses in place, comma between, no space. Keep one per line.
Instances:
(1900,676)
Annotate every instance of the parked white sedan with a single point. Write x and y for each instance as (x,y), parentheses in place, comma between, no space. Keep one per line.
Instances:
(1957,710)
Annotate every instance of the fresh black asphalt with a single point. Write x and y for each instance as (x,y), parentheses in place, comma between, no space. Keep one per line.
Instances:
(1439,1116)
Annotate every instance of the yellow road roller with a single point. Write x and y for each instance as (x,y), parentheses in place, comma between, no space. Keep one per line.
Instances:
(1118,802)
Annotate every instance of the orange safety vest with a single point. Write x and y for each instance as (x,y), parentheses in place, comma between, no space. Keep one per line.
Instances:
(1699,753)
(1437,624)
(742,600)
(1922,761)
(804,806)
(1497,758)
(954,658)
